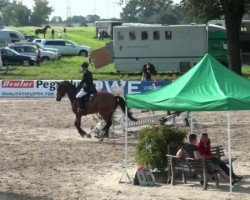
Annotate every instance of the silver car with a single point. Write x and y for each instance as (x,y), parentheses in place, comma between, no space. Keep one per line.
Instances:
(30,50)
(66,47)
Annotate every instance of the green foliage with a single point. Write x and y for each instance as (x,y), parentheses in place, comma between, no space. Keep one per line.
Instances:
(41,12)
(152,146)
(16,14)
(146,10)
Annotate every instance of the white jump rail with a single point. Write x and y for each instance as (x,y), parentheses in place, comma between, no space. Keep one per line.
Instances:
(149,120)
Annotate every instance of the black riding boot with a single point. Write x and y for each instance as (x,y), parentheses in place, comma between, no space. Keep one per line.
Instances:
(81,104)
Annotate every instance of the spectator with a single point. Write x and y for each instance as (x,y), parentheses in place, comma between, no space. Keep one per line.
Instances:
(152,68)
(38,57)
(147,72)
(99,35)
(190,150)
(59,34)
(65,32)
(52,33)
(205,149)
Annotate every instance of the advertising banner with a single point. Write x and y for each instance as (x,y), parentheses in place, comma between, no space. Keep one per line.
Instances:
(47,88)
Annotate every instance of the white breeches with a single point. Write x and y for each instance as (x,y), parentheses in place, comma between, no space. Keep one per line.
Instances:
(81,93)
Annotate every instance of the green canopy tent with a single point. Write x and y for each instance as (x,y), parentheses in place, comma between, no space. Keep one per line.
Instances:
(208,86)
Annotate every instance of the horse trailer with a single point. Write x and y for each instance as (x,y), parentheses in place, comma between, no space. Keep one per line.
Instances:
(244,38)
(169,48)
(106,27)
(10,36)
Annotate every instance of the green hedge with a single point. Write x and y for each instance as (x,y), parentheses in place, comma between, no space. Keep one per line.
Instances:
(152,146)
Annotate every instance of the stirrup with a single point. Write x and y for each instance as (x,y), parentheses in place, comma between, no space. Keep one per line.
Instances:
(79,110)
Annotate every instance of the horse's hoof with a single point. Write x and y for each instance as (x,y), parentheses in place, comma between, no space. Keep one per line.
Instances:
(88,135)
(82,134)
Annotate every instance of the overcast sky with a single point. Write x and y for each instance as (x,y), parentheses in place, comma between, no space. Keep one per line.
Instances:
(103,8)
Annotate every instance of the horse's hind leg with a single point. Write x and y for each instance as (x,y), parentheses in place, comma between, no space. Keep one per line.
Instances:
(108,119)
(106,127)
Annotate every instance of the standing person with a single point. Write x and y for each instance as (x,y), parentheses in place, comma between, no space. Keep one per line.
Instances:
(38,57)
(86,87)
(99,35)
(52,33)
(65,32)
(59,34)
(146,73)
(205,149)
(152,69)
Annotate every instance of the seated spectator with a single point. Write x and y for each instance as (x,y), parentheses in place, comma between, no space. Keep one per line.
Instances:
(205,149)
(190,150)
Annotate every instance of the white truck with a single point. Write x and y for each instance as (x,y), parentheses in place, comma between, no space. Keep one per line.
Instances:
(169,48)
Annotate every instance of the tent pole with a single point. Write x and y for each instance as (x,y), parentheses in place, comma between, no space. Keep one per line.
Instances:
(125,172)
(229,150)
(192,124)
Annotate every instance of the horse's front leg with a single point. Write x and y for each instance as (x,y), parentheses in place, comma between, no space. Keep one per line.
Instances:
(78,126)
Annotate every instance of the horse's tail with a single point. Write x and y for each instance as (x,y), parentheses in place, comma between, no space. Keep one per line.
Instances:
(121,103)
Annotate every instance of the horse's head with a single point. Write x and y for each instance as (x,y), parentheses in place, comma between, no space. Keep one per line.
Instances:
(48,26)
(63,88)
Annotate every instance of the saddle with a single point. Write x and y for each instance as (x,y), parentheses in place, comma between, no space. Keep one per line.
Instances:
(89,97)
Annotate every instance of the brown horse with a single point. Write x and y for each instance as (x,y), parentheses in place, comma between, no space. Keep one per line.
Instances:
(42,30)
(103,103)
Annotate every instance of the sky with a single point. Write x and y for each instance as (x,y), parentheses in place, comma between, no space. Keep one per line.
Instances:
(63,8)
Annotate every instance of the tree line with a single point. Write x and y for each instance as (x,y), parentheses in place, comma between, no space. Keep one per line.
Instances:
(17,14)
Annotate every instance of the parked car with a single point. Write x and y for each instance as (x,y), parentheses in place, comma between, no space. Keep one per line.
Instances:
(66,47)
(10,36)
(11,57)
(30,38)
(38,45)
(37,40)
(31,50)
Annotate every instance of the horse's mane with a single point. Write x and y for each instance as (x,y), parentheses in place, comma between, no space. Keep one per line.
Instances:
(72,86)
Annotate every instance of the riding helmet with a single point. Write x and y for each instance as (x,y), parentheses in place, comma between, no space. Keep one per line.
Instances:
(85,64)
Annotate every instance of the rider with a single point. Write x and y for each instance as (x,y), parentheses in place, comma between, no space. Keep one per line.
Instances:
(86,87)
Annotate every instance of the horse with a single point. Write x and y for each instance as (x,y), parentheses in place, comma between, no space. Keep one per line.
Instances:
(103,103)
(42,30)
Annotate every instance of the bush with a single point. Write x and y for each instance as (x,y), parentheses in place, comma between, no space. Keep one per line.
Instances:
(152,146)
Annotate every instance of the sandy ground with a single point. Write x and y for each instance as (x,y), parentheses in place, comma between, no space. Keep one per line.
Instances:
(43,156)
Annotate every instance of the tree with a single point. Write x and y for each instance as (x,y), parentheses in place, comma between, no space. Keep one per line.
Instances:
(3,4)
(92,18)
(76,19)
(16,14)
(143,10)
(232,11)
(56,19)
(41,12)
(170,16)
